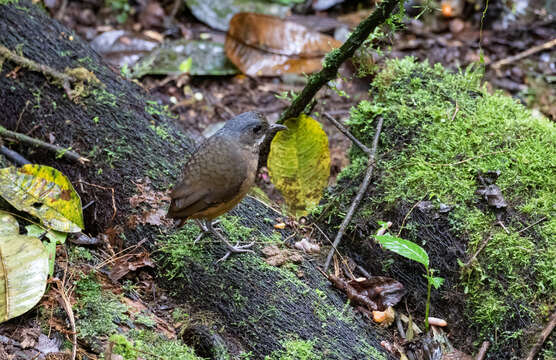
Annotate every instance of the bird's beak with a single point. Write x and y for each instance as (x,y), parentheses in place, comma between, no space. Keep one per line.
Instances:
(277,127)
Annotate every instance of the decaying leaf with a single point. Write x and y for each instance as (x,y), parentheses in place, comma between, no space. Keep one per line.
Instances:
(299,163)
(44,192)
(205,58)
(8,224)
(385,318)
(375,293)
(262,45)
(217,13)
(277,257)
(23,272)
(128,263)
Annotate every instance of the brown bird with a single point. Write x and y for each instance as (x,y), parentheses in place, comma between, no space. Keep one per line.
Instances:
(220,172)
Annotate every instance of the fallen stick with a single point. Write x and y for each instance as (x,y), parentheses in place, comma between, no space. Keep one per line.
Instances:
(65,153)
(542,337)
(535,49)
(483,350)
(359,196)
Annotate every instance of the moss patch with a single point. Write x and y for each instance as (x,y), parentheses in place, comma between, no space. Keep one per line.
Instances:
(440,131)
(96,310)
(150,345)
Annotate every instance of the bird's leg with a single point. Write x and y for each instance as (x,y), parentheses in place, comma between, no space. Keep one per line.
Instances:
(204,230)
(232,249)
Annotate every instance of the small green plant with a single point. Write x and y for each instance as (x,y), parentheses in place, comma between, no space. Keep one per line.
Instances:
(122,7)
(412,251)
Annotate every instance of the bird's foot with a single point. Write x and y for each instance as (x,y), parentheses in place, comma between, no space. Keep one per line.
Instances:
(204,230)
(234,249)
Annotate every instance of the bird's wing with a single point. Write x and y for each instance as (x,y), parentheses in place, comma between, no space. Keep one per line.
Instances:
(213,175)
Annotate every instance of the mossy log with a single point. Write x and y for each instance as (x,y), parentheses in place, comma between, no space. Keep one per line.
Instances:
(255,308)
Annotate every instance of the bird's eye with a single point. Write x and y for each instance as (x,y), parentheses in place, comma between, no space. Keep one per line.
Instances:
(257,129)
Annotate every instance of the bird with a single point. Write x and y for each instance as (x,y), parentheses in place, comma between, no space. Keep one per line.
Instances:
(220,172)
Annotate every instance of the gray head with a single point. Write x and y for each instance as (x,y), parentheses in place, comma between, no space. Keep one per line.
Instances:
(250,128)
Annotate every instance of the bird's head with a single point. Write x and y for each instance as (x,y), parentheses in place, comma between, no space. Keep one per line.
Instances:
(251,128)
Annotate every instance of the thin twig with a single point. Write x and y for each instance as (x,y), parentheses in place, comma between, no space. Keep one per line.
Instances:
(330,242)
(542,337)
(483,350)
(545,46)
(66,304)
(358,197)
(481,247)
(533,224)
(406,216)
(455,112)
(68,154)
(346,132)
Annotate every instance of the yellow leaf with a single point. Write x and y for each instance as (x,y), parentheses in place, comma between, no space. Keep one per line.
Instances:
(23,271)
(299,163)
(44,192)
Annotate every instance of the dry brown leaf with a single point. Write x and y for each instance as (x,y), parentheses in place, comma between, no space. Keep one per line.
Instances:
(278,257)
(375,293)
(264,45)
(124,265)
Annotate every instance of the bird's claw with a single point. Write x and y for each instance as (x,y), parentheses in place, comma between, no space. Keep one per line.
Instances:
(234,249)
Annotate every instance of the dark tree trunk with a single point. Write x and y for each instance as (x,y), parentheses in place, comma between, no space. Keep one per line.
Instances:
(257,307)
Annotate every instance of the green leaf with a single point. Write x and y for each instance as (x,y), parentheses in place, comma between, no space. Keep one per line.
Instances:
(44,192)
(53,235)
(185,65)
(404,248)
(23,271)
(50,248)
(299,163)
(192,56)
(437,282)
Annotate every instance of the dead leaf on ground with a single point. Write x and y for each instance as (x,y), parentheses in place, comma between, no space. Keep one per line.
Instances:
(277,257)
(385,318)
(152,205)
(128,263)
(263,45)
(375,293)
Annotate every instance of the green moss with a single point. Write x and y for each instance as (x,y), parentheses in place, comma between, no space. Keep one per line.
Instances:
(146,320)
(440,130)
(175,247)
(104,97)
(78,253)
(96,310)
(150,345)
(294,350)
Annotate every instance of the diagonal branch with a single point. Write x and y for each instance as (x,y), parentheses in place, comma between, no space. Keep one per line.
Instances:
(359,196)
(335,58)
